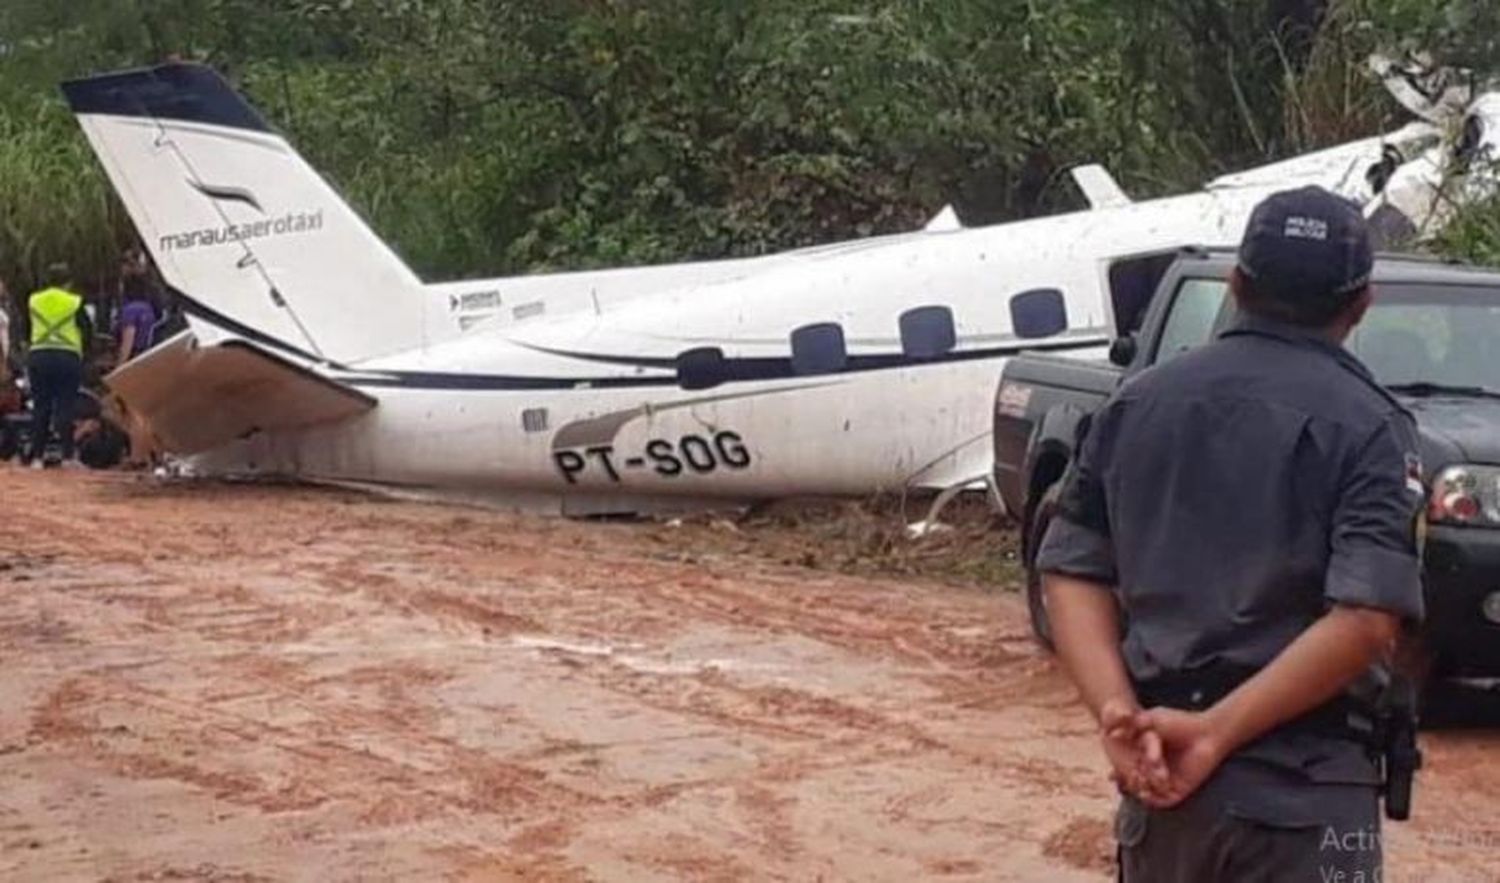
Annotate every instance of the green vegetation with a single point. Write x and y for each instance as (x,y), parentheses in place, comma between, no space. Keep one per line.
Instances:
(500,136)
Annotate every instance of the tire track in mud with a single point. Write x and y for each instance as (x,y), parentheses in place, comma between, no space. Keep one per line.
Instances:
(397,691)
(781,711)
(808,733)
(481,783)
(778,712)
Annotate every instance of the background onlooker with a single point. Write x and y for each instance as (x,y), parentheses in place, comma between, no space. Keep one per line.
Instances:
(4,332)
(135,323)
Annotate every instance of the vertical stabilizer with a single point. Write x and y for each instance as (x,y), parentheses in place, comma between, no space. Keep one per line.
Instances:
(240,224)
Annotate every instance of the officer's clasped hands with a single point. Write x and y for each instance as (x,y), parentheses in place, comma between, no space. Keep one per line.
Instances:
(1160,756)
(1135,755)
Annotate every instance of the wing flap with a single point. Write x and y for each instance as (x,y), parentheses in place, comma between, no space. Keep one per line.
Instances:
(196,398)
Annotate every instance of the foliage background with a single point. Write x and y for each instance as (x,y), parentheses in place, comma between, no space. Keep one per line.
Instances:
(486,137)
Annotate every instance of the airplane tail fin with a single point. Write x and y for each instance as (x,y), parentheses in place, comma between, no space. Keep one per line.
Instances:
(254,239)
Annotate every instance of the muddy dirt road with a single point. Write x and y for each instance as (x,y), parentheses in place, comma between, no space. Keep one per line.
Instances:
(250,683)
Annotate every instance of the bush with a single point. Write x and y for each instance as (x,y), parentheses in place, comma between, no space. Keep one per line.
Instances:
(487,137)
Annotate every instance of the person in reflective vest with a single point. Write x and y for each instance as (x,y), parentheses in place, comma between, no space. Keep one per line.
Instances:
(59,337)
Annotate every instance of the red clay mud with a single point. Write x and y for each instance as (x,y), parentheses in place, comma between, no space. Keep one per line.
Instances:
(249,683)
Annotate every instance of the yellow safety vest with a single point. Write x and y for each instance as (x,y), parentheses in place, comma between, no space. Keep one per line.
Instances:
(54,321)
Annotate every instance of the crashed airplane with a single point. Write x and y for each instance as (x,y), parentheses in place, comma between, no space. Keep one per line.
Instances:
(313,352)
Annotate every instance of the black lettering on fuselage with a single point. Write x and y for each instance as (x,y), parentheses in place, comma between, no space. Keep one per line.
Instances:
(664,458)
(570,463)
(605,455)
(732,450)
(698,454)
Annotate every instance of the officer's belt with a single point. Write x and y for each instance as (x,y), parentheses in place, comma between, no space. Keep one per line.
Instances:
(1343,717)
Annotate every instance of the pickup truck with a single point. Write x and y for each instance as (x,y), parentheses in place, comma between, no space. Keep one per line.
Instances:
(1432,338)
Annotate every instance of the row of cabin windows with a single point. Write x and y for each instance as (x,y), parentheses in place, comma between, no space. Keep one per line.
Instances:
(926,333)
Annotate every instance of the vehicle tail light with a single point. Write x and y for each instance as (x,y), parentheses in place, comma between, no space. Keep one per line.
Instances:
(1468,495)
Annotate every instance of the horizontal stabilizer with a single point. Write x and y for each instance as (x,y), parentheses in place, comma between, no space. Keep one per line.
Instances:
(195,398)
(1099,187)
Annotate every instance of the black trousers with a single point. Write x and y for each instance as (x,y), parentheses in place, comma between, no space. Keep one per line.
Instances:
(1255,829)
(55,376)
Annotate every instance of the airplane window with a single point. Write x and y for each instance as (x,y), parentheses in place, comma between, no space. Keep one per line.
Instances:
(819,349)
(701,368)
(1132,282)
(1039,313)
(927,332)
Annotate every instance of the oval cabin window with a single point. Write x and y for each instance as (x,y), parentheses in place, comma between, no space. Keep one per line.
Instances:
(701,368)
(928,332)
(819,349)
(1039,313)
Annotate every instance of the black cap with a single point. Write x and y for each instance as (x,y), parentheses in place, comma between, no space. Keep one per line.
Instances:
(1307,244)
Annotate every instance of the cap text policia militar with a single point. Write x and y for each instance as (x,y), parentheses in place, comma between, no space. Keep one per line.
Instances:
(1307,244)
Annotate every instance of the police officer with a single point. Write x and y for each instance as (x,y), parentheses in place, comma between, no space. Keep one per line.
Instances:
(59,337)
(1234,560)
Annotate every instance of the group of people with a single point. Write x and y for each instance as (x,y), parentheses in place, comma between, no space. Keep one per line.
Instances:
(50,334)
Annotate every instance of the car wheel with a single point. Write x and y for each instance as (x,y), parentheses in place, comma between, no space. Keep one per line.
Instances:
(1036,597)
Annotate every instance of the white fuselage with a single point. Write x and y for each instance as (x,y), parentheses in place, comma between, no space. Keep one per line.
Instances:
(562,391)
(849,369)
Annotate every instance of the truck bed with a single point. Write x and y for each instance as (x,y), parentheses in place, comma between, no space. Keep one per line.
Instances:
(1091,375)
(1038,387)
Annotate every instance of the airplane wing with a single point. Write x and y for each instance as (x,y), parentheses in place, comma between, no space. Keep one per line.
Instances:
(1341,169)
(195,398)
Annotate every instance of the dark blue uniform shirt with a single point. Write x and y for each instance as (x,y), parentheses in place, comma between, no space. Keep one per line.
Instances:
(1231,496)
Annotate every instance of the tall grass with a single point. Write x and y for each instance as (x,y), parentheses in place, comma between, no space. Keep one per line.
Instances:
(55,204)
(1474,234)
(518,137)
(1333,98)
